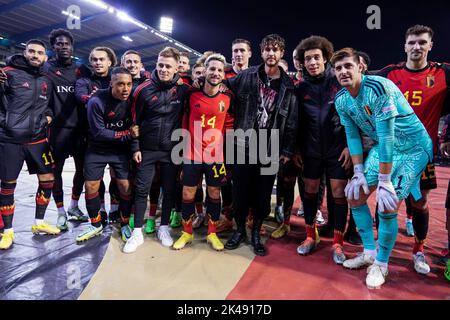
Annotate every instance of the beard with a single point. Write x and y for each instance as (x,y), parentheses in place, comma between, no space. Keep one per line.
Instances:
(213,84)
(271,64)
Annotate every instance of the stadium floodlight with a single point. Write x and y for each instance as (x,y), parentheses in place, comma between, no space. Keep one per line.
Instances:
(64,12)
(166,25)
(98,3)
(124,16)
(127,38)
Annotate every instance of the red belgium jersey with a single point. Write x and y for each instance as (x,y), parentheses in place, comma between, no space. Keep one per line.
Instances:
(206,118)
(230,73)
(426,91)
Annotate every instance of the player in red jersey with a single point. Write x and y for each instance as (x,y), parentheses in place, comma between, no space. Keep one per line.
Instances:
(241,52)
(425,85)
(207,113)
(198,71)
(184,67)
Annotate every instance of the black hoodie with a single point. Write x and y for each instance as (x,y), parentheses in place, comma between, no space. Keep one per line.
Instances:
(321,131)
(24,105)
(64,105)
(158,109)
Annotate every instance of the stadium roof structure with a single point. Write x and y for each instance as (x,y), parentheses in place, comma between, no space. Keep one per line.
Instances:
(100,25)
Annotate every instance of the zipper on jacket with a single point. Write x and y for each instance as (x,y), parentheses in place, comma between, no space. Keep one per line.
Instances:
(32,108)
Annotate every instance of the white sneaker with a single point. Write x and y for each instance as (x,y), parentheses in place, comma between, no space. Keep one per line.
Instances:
(360,261)
(133,242)
(61,222)
(319,218)
(420,264)
(376,276)
(164,236)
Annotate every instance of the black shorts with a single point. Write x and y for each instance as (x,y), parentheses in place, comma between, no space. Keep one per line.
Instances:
(95,163)
(63,142)
(289,170)
(38,157)
(215,174)
(428,179)
(313,168)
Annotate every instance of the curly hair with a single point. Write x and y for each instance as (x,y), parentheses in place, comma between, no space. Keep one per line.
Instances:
(274,40)
(59,32)
(314,42)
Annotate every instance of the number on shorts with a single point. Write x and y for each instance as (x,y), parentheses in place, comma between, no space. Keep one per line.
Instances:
(45,157)
(222,170)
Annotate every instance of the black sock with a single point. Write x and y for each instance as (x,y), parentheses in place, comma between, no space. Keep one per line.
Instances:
(43,195)
(93,209)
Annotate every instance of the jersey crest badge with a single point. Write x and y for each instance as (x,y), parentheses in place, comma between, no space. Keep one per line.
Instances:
(221,106)
(430,81)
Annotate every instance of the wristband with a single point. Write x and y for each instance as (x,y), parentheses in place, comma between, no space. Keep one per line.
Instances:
(358,168)
(384,177)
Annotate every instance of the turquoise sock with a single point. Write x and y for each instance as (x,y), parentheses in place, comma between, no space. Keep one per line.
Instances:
(387,235)
(364,222)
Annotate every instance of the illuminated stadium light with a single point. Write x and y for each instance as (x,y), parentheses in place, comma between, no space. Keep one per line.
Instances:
(70,15)
(124,16)
(183,47)
(166,25)
(111,10)
(127,38)
(160,35)
(98,3)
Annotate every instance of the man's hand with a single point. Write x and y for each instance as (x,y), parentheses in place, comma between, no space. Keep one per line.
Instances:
(180,82)
(223,88)
(49,119)
(196,84)
(297,160)
(445,149)
(386,197)
(3,76)
(345,155)
(137,156)
(134,130)
(358,180)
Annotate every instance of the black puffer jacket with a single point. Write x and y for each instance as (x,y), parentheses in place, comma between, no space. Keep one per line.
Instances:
(84,86)
(64,105)
(321,132)
(24,106)
(157,109)
(245,87)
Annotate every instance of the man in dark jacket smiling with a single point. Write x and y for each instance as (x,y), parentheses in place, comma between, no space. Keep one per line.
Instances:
(265,100)
(24,117)
(158,106)
(324,149)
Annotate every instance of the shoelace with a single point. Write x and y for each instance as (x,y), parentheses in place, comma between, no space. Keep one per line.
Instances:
(420,258)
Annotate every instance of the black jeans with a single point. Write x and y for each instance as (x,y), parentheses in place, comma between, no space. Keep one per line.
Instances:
(144,178)
(251,189)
